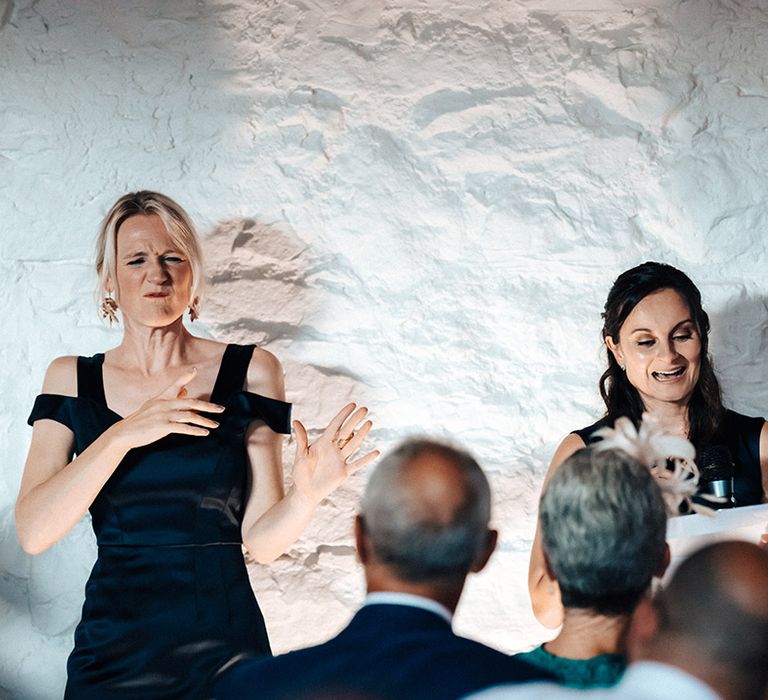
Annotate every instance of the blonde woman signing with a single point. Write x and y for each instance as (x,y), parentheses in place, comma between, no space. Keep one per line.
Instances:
(178,458)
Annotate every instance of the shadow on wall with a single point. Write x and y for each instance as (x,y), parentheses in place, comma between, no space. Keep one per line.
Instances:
(6,10)
(739,346)
(40,600)
(257,282)
(267,286)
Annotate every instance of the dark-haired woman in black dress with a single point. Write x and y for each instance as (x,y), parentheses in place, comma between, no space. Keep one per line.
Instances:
(178,458)
(657,335)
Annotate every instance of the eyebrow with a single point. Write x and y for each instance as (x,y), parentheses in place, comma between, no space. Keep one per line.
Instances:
(674,328)
(138,253)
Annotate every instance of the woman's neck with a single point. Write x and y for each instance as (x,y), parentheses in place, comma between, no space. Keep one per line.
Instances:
(673,417)
(152,350)
(585,634)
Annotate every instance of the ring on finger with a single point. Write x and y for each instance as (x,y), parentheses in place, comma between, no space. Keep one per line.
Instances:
(341,443)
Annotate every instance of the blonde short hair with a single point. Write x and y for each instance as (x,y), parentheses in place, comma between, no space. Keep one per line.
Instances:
(177,223)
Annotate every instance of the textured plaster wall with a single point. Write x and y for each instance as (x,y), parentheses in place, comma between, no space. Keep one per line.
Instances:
(415,204)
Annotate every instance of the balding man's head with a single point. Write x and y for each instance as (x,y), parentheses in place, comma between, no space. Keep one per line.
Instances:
(715,612)
(425,512)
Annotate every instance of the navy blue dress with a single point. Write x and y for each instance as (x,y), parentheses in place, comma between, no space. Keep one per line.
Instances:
(740,434)
(168,601)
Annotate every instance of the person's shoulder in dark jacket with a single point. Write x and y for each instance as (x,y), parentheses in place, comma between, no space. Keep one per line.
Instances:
(423,660)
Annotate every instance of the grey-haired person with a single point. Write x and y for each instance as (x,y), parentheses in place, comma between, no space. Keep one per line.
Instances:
(602,519)
(703,637)
(423,527)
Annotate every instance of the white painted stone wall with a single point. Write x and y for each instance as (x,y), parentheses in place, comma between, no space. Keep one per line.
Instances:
(418,204)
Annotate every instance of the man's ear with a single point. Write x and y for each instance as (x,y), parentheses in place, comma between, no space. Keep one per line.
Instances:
(491,538)
(361,541)
(643,627)
(665,560)
(553,585)
(615,350)
(554,604)
(548,568)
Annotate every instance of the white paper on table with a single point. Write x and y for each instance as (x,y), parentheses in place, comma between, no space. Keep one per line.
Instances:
(687,533)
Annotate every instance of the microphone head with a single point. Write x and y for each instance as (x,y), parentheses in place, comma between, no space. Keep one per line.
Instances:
(716,463)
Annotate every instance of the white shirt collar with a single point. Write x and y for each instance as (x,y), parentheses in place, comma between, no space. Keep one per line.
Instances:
(414,601)
(675,682)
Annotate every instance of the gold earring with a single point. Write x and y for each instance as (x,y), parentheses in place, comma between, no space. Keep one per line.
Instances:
(194,309)
(109,308)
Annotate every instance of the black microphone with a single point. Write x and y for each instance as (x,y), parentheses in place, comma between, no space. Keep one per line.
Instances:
(717,472)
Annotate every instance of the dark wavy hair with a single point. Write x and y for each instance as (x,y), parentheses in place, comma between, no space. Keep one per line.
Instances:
(705,408)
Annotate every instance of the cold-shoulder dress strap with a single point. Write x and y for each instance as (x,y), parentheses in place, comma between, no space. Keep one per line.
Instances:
(56,407)
(275,413)
(244,407)
(90,378)
(63,409)
(232,371)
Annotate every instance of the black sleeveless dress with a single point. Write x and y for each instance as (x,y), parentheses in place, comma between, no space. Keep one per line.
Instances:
(740,434)
(168,601)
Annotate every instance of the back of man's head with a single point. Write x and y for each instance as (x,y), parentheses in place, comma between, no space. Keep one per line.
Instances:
(603,525)
(712,619)
(425,512)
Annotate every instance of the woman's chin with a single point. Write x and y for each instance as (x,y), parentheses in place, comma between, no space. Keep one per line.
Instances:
(675,394)
(155,320)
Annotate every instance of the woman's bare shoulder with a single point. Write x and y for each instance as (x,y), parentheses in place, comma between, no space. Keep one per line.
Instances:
(568,445)
(265,374)
(61,376)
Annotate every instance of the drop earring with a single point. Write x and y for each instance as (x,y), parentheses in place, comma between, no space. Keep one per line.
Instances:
(109,308)
(194,309)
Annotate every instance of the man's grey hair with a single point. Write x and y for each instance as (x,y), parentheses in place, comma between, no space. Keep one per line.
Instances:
(603,524)
(403,533)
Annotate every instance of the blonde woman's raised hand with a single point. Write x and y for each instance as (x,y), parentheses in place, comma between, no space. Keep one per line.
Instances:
(320,467)
(171,411)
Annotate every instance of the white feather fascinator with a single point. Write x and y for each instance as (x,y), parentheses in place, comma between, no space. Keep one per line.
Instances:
(668,457)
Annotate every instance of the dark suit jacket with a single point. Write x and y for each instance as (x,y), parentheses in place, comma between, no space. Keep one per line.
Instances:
(386,652)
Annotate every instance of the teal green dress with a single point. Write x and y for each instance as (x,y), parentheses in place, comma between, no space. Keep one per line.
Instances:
(600,671)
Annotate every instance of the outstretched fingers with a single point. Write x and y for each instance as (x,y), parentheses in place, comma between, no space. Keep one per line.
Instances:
(350,425)
(189,429)
(178,388)
(196,405)
(181,414)
(346,432)
(192,418)
(337,421)
(302,439)
(356,440)
(351,436)
(358,464)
